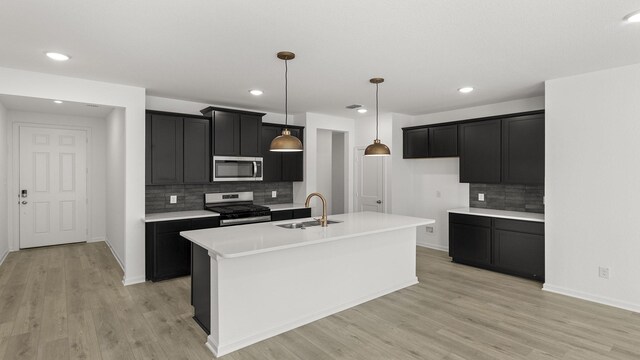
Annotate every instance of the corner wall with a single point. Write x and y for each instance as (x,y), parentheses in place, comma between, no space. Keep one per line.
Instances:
(4,199)
(592,128)
(115,176)
(429,187)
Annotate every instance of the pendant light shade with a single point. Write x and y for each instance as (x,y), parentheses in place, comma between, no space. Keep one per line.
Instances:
(377,148)
(286,142)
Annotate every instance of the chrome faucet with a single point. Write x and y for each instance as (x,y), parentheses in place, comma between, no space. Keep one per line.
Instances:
(323,219)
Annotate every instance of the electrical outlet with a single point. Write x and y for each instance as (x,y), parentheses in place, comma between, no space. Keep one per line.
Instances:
(274,194)
(480,197)
(603,272)
(173,199)
(429,229)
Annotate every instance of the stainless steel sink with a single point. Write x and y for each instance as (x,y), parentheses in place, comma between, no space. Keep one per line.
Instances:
(305,224)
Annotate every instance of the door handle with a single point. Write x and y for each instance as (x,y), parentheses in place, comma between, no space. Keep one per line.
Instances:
(379,202)
(24,203)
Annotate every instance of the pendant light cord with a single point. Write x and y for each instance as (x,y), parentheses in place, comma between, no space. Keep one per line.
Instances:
(286,93)
(376,111)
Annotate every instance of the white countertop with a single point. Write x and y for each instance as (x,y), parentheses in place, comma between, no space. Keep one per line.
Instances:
(237,241)
(514,215)
(289,206)
(179,215)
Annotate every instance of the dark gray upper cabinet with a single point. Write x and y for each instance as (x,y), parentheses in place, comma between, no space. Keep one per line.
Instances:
(281,166)
(480,152)
(235,132)
(523,149)
(166,149)
(443,141)
(178,149)
(226,133)
(197,151)
(415,143)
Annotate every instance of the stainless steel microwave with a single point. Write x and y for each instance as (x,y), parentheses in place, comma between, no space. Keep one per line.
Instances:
(234,168)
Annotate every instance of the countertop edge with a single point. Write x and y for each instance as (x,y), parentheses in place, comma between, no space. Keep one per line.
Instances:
(179,217)
(319,241)
(500,216)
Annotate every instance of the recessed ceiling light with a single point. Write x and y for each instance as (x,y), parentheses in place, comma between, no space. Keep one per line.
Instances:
(255,92)
(57,56)
(466,89)
(57,101)
(634,17)
(362,111)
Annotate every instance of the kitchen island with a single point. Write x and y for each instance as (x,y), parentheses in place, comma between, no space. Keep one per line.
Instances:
(264,279)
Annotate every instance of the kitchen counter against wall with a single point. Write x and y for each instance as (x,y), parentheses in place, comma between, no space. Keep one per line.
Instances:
(288,206)
(179,215)
(514,215)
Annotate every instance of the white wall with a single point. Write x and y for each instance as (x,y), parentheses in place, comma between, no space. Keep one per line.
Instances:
(324,182)
(4,202)
(132,99)
(338,172)
(429,187)
(592,186)
(312,123)
(95,128)
(115,176)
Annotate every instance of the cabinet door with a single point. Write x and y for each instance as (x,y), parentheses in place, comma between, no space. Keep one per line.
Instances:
(292,163)
(523,150)
(226,134)
(173,256)
(272,161)
(519,253)
(480,152)
(281,215)
(197,151)
(443,141)
(147,149)
(415,143)
(470,244)
(166,149)
(250,135)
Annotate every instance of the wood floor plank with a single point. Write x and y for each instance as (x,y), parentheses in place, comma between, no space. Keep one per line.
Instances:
(68,302)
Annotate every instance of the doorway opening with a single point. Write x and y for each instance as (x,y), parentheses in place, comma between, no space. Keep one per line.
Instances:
(332,169)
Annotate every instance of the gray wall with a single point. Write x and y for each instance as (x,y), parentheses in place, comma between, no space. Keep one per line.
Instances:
(191,197)
(528,198)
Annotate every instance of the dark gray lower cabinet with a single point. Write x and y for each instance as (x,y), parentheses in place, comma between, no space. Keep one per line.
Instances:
(167,254)
(201,287)
(509,246)
(290,214)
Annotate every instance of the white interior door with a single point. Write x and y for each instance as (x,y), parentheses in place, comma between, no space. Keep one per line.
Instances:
(53,186)
(370,178)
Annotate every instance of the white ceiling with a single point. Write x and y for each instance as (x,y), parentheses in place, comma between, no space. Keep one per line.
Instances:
(215,51)
(21,103)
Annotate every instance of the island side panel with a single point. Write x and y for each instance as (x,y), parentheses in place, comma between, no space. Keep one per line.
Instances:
(258,296)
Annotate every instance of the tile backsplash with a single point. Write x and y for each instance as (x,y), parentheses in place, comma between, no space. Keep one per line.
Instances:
(191,197)
(527,198)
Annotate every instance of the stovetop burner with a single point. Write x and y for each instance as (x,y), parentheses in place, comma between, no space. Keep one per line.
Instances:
(236,208)
(233,209)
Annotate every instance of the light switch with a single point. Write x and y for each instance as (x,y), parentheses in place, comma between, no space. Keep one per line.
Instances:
(480,197)
(173,199)
(274,193)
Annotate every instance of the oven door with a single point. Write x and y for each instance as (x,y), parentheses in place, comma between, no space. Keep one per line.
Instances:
(233,168)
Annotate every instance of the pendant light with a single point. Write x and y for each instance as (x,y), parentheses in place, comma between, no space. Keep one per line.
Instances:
(286,142)
(377,148)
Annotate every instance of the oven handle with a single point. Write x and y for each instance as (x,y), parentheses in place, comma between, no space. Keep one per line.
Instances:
(255,169)
(249,220)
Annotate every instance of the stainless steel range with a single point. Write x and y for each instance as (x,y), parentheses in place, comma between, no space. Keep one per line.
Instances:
(236,208)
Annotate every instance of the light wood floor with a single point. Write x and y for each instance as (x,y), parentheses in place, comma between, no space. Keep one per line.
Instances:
(68,302)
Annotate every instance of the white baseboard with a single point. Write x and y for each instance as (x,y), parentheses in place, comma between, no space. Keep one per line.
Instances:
(98,239)
(4,256)
(106,240)
(433,246)
(590,297)
(218,350)
(133,280)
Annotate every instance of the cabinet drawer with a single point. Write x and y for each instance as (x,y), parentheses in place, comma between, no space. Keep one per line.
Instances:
(301,213)
(470,220)
(281,215)
(172,226)
(205,223)
(531,227)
